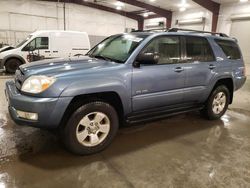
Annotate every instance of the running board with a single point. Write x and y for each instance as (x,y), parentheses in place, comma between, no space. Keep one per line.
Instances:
(150,115)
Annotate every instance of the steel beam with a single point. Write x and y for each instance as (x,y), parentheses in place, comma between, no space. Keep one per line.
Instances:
(152,8)
(158,10)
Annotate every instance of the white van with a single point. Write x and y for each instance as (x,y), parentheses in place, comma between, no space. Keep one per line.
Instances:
(47,44)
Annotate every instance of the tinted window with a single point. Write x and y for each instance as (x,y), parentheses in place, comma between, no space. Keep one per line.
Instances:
(37,43)
(198,49)
(168,49)
(230,49)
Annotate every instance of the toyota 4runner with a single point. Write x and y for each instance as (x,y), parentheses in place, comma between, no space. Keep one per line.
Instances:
(127,78)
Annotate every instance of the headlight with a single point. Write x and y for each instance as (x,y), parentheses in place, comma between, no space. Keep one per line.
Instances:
(37,84)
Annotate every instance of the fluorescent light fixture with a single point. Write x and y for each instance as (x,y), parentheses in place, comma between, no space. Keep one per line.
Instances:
(243,1)
(182,9)
(119,4)
(118,8)
(145,15)
(151,1)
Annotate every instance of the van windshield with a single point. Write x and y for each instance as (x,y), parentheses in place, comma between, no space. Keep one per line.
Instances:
(117,48)
(24,41)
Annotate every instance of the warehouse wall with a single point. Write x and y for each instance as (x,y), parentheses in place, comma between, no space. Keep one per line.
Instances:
(225,23)
(18,18)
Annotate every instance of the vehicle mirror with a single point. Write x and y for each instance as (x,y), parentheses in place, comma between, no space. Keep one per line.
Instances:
(147,58)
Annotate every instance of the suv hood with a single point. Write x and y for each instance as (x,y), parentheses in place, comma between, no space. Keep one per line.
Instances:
(65,67)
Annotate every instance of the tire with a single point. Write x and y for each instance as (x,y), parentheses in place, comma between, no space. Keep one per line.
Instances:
(217,103)
(12,65)
(86,124)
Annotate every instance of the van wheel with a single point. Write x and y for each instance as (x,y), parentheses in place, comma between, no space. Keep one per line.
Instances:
(12,65)
(217,103)
(91,128)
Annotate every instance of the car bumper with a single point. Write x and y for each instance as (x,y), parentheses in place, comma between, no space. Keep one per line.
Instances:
(49,110)
(239,82)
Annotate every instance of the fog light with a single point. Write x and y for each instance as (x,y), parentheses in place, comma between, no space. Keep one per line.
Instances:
(27,115)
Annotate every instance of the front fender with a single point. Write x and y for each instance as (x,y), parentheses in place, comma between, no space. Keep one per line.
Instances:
(93,86)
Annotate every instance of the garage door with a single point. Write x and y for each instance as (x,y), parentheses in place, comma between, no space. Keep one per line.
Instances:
(240,30)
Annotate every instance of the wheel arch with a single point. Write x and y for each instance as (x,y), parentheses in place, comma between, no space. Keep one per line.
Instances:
(110,97)
(228,82)
(13,56)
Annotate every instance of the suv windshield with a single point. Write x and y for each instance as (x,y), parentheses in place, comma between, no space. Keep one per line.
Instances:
(25,40)
(117,48)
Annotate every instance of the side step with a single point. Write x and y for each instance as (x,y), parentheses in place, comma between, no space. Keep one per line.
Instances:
(154,115)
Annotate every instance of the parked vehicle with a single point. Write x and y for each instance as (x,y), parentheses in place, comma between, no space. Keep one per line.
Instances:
(48,44)
(127,78)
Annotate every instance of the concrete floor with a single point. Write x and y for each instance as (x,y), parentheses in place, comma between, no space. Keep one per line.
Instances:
(181,151)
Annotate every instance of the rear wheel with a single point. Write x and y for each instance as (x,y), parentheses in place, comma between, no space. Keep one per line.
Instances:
(217,103)
(91,128)
(12,65)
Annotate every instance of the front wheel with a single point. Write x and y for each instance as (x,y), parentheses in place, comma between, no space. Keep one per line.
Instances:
(91,128)
(217,104)
(12,65)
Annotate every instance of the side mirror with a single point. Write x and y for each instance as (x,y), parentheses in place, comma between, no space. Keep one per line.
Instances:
(146,58)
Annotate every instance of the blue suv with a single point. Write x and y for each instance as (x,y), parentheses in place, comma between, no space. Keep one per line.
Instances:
(127,78)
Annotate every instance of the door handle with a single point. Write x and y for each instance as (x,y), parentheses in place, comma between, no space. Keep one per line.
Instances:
(179,69)
(212,66)
(55,51)
(47,51)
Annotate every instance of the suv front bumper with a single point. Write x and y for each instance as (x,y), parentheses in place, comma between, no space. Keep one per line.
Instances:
(49,110)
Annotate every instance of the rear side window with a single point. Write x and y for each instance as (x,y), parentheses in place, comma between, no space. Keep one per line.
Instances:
(198,49)
(230,49)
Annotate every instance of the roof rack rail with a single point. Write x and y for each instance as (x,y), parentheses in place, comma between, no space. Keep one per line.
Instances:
(148,30)
(197,31)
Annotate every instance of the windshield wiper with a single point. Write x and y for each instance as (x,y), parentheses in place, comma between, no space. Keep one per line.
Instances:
(101,57)
(106,58)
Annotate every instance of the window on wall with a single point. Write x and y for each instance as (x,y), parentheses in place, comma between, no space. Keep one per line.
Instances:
(198,49)
(37,43)
(167,47)
(230,49)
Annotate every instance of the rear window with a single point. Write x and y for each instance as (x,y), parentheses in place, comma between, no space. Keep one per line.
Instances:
(198,49)
(230,49)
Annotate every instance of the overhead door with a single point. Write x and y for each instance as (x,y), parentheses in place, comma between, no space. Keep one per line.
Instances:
(240,30)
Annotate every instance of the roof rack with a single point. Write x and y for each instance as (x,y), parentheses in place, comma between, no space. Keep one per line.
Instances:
(197,31)
(148,30)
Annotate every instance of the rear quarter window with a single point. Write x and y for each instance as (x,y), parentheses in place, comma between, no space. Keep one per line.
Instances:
(230,49)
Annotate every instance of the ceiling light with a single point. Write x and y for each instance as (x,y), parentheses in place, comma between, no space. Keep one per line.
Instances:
(118,8)
(182,9)
(119,4)
(145,15)
(243,1)
(151,1)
